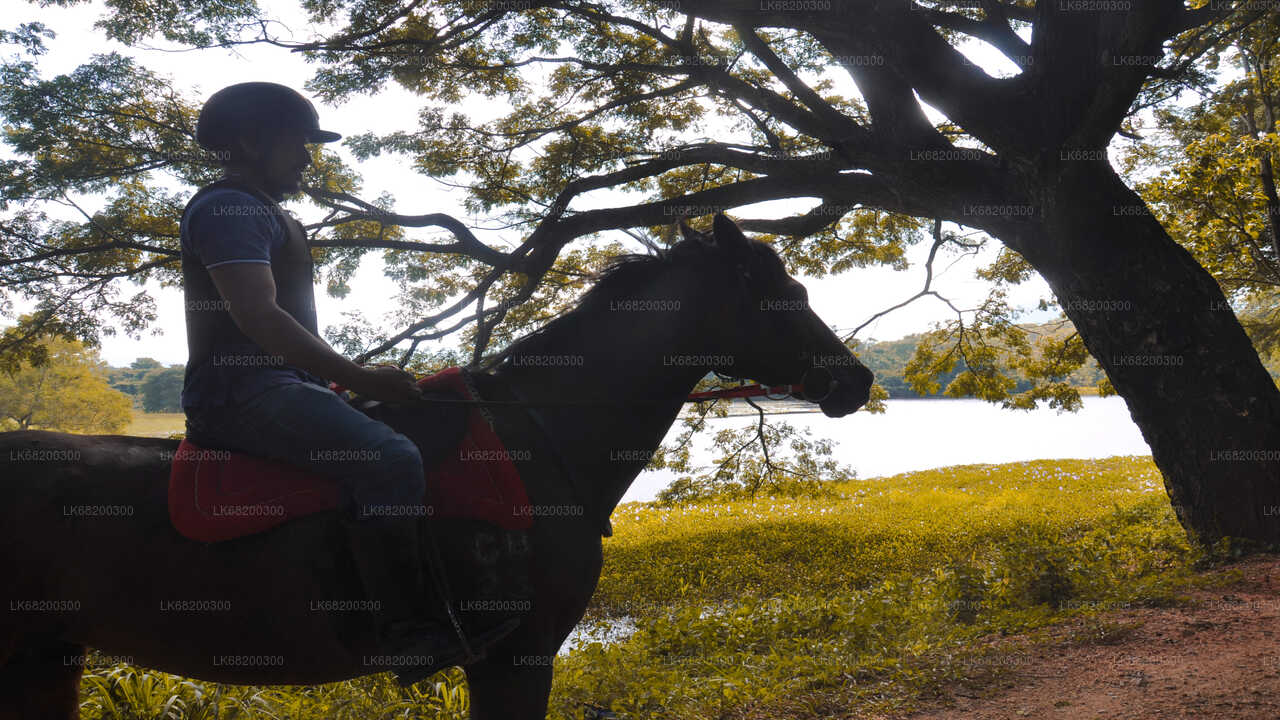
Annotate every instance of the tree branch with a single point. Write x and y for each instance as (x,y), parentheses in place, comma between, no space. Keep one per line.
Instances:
(466,244)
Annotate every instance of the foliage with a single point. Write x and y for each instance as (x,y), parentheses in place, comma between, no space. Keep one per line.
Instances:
(993,349)
(162,389)
(809,469)
(128,380)
(870,600)
(888,359)
(153,387)
(1207,171)
(123,692)
(68,392)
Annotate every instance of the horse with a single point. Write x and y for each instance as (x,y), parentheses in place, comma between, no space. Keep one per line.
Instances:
(89,558)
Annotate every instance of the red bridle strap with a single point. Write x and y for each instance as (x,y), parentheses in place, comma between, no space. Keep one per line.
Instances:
(775,392)
(746,391)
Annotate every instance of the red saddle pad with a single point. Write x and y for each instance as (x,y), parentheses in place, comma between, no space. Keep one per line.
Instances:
(219,494)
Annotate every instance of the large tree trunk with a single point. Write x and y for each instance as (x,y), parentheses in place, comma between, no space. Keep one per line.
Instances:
(1161,328)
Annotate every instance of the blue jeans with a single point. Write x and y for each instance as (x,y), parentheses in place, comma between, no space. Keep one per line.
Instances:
(310,426)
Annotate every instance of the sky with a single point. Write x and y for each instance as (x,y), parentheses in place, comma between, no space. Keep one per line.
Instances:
(844,302)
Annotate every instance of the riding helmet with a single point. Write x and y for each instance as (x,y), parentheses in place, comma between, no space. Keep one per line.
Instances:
(255,106)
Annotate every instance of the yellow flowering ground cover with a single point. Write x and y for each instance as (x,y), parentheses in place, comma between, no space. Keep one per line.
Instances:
(869,598)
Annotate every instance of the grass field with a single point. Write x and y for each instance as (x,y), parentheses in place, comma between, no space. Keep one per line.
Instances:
(863,602)
(155,424)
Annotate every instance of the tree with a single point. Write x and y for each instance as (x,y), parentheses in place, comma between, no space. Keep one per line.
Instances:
(1217,194)
(162,390)
(128,380)
(682,108)
(67,392)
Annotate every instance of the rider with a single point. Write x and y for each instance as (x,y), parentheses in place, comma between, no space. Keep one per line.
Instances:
(255,378)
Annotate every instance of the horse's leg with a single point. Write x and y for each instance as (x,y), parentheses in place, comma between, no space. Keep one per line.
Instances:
(42,683)
(9,644)
(513,682)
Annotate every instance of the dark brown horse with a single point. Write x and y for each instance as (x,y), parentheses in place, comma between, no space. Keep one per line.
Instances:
(88,557)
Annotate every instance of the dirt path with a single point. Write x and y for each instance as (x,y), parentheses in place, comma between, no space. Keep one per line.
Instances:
(1217,658)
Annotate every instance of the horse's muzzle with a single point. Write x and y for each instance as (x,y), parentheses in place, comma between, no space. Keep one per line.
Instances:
(845,392)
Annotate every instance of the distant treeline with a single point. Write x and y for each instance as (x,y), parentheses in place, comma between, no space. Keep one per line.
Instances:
(153,386)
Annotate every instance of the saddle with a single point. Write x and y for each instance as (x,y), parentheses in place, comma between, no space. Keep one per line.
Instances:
(221,494)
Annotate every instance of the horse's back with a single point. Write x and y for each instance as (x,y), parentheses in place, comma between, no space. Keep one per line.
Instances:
(50,479)
(33,451)
(87,520)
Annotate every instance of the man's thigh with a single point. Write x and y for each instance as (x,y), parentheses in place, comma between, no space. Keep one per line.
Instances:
(311,426)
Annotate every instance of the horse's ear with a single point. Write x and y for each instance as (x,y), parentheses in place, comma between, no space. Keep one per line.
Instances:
(729,237)
(689,233)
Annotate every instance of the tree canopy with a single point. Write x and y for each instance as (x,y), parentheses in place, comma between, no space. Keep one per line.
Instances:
(68,391)
(679,109)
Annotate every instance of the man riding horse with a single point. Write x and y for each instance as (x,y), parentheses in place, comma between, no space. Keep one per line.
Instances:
(256,377)
(137,588)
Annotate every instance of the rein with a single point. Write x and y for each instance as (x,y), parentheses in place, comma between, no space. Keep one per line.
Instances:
(772,392)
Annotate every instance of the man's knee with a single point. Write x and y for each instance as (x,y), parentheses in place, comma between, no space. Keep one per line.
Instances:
(401,459)
(392,481)
(399,469)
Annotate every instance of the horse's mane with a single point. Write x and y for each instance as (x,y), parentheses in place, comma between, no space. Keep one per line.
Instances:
(619,274)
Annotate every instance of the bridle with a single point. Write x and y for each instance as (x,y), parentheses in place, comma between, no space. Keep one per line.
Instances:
(771,392)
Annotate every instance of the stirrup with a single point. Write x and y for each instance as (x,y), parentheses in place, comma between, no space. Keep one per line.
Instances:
(435,564)
(470,650)
(409,675)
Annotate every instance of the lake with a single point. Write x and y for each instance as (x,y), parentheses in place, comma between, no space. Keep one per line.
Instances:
(929,433)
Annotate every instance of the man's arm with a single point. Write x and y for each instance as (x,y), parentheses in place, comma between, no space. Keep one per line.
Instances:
(250,293)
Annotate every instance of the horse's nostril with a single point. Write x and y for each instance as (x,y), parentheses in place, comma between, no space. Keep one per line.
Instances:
(817,384)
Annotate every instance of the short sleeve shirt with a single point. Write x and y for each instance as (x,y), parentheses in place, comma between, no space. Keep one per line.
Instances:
(229,226)
(222,227)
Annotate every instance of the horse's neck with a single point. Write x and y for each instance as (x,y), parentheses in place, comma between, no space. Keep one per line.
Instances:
(632,368)
(605,447)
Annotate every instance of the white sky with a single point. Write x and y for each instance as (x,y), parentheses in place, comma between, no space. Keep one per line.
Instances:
(845,301)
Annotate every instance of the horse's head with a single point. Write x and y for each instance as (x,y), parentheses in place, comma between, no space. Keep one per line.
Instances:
(764,329)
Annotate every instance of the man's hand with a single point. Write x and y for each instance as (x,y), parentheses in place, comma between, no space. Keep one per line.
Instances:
(386,383)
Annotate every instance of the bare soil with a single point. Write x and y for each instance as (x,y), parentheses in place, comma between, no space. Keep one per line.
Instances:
(1216,657)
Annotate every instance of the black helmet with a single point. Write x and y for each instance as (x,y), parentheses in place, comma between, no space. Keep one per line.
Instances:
(255,106)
